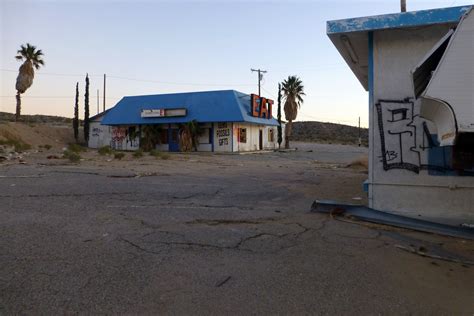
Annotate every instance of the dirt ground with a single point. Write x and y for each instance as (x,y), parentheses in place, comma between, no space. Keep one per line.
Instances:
(36,135)
(212,234)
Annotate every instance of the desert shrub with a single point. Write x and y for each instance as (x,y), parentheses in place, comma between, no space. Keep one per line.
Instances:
(75,148)
(20,146)
(138,153)
(119,155)
(165,156)
(105,150)
(47,147)
(361,162)
(155,153)
(9,139)
(72,156)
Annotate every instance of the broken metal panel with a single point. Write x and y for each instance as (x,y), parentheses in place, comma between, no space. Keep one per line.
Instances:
(443,118)
(453,80)
(370,215)
(422,72)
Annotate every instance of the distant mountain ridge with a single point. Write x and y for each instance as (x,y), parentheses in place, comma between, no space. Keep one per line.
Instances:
(10,117)
(320,132)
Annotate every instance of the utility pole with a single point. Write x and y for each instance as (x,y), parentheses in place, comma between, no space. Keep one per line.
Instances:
(97,101)
(260,77)
(104,91)
(403,5)
(360,139)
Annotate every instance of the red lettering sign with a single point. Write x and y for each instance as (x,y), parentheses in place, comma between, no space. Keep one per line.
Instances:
(254,104)
(261,107)
(270,107)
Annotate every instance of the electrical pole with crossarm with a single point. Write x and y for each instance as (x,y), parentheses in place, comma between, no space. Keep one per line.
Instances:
(260,77)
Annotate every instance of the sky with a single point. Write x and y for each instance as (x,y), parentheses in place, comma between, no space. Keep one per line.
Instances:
(153,47)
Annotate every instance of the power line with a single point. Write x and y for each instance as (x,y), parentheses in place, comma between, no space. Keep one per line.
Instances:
(136,79)
(50,96)
(349,122)
(53,74)
(181,83)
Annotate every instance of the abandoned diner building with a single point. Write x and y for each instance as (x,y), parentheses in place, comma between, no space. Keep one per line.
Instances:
(228,120)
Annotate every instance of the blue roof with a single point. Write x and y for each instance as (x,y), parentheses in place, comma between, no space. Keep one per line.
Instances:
(204,107)
(397,20)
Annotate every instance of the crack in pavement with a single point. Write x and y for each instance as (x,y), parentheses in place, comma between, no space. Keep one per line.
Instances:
(67,194)
(237,246)
(216,222)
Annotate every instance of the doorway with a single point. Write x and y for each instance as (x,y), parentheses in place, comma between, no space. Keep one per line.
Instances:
(174,140)
(260,139)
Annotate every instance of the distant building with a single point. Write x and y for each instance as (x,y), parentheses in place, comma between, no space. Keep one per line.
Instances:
(418,68)
(230,121)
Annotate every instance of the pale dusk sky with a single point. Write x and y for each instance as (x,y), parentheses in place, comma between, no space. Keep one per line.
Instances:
(153,47)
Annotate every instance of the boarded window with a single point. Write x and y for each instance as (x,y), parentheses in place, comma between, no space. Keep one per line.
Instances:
(242,135)
(271,135)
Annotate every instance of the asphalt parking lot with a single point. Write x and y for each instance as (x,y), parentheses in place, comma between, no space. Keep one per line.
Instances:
(211,234)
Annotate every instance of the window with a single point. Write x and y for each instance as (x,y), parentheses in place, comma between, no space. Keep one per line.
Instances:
(242,135)
(271,135)
(164,136)
(205,136)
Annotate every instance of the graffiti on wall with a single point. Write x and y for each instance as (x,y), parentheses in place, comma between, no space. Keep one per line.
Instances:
(406,141)
(118,135)
(223,134)
(96,131)
(123,136)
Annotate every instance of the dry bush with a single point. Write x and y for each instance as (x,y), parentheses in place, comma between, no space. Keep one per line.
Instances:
(361,162)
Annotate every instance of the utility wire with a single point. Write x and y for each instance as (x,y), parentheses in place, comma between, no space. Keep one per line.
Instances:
(54,74)
(330,120)
(135,79)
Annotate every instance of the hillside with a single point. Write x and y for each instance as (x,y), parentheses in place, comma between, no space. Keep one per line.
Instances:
(328,133)
(57,120)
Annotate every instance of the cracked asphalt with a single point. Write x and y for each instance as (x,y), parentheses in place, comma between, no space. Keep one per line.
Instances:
(212,234)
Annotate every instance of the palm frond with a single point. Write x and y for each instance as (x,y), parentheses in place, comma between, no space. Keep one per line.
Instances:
(31,54)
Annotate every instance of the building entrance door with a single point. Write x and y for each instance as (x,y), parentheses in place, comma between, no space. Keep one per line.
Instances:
(260,140)
(174,140)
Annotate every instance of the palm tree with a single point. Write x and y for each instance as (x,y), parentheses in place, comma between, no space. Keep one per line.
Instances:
(293,94)
(32,58)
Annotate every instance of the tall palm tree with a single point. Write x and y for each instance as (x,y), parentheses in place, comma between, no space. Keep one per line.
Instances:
(32,58)
(293,94)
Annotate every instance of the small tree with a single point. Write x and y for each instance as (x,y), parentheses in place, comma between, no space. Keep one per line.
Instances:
(280,136)
(75,121)
(86,111)
(293,93)
(32,59)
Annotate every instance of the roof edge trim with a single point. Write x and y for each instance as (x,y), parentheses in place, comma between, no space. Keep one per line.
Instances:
(397,20)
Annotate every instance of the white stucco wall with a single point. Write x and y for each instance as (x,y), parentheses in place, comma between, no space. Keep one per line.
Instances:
(114,136)
(223,137)
(402,188)
(99,135)
(253,131)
